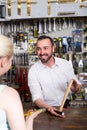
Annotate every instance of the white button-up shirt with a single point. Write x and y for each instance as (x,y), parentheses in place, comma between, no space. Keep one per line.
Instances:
(49,84)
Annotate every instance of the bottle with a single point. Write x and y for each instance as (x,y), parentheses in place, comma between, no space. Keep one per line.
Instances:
(75,64)
(80,66)
(55,44)
(70,59)
(80,63)
(35,31)
(60,49)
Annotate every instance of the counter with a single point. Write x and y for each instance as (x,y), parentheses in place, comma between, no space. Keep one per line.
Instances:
(76,119)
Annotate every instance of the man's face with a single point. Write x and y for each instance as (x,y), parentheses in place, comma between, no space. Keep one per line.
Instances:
(44,50)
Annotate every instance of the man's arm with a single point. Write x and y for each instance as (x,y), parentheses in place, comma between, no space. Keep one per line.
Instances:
(42,104)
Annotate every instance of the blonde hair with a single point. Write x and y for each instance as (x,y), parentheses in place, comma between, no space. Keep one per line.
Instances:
(6,46)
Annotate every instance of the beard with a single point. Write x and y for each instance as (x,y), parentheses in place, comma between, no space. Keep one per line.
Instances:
(45,60)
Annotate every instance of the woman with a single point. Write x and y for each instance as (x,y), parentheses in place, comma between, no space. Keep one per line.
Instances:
(11,110)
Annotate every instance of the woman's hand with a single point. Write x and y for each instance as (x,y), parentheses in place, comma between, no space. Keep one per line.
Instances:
(32,114)
(29,119)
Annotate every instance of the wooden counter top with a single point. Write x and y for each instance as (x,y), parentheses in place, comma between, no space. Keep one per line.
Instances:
(76,119)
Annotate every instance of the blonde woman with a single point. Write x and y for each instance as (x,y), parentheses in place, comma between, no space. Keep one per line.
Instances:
(11,111)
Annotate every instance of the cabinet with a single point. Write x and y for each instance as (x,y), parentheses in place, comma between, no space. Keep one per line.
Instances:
(17,9)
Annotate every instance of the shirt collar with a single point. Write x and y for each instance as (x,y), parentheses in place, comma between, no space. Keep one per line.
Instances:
(43,66)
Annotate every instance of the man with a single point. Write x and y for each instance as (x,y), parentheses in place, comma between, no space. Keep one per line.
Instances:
(48,78)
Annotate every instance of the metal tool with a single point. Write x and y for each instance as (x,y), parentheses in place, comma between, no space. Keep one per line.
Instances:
(28,7)
(49,25)
(45,26)
(54,24)
(19,7)
(48,7)
(9,7)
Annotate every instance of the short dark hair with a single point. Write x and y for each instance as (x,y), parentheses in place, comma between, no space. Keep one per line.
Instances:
(46,37)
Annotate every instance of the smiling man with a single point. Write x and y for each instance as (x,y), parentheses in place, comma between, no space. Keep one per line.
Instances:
(48,77)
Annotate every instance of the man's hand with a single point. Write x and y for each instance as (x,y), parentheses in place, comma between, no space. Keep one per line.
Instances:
(53,110)
(76,87)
